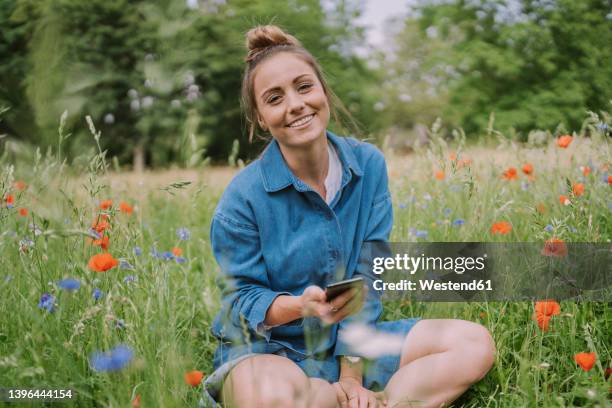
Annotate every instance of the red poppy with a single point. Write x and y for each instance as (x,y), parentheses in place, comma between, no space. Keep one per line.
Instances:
(547,307)
(102,262)
(543,321)
(586,361)
(177,251)
(106,204)
(501,227)
(136,401)
(125,208)
(564,141)
(554,247)
(452,156)
(586,170)
(439,175)
(9,200)
(20,185)
(610,179)
(23,212)
(102,242)
(564,200)
(194,378)
(100,225)
(527,168)
(465,163)
(510,174)
(578,189)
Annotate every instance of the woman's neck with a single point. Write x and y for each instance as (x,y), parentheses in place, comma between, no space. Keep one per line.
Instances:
(310,164)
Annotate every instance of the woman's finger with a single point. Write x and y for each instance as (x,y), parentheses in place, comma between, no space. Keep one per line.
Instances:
(340,395)
(372,402)
(363,398)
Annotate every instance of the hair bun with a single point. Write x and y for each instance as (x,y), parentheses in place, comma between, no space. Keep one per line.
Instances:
(262,37)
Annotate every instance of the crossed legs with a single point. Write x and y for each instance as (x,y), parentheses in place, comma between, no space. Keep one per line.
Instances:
(271,381)
(440,360)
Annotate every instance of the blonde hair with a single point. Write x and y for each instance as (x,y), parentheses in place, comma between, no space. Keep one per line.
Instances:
(262,42)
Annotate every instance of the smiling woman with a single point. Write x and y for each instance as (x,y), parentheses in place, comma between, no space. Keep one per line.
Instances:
(293,222)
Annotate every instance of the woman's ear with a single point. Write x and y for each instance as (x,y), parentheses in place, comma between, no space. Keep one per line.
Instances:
(261,123)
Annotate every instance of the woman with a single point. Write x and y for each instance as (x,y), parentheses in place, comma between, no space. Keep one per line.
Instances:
(294,221)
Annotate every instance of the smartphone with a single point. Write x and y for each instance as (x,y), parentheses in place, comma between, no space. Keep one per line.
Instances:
(335,289)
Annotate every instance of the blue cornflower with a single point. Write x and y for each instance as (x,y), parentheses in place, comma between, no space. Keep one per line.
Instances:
(524,186)
(604,177)
(602,126)
(123,264)
(166,255)
(180,259)
(129,278)
(137,251)
(155,253)
(114,360)
(548,228)
(69,284)
(447,211)
(46,302)
(97,294)
(94,234)
(421,233)
(402,205)
(183,234)
(458,222)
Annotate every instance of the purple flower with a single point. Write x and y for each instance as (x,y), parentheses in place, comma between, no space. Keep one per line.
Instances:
(548,228)
(180,259)
(447,211)
(524,186)
(402,205)
(123,264)
(183,234)
(114,360)
(97,294)
(421,234)
(458,222)
(129,278)
(46,302)
(137,251)
(166,256)
(69,284)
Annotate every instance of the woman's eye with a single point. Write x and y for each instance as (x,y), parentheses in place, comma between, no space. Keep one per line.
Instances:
(304,86)
(273,99)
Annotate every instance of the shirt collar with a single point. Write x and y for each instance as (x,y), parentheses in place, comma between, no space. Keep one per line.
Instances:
(276,175)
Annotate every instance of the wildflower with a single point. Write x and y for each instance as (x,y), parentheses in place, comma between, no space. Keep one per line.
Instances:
(402,206)
(114,360)
(564,141)
(578,189)
(548,307)
(69,284)
(137,251)
(524,186)
(23,212)
(452,156)
(465,163)
(543,321)
(25,245)
(447,211)
(97,294)
(548,228)
(586,170)
(180,259)
(120,324)
(106,204)
(136,401)
(102,242)
(20,185)
(458,222)
(176,251)
(166,255)
(129,278)
(9,200)
(419,233)
(610,179)
(102,262)
(194,377)
(125,208)
(510,174)
(501,227)
(527,168)
(183,234)
(46,302)
(554,247)
(586,361)
(564,200)
(99,226)
(123,264)
(540,208)
(439,175)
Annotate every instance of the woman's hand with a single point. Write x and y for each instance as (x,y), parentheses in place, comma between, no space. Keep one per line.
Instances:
(314,303)
(351,394)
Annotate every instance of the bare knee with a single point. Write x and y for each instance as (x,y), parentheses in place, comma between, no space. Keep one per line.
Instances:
(322,394)
(265,381)
(478,349)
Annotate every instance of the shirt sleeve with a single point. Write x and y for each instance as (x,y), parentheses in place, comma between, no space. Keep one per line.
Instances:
(380,222)
(247,297)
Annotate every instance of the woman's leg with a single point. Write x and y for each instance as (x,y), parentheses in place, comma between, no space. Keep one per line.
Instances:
(271,381)
(440,360)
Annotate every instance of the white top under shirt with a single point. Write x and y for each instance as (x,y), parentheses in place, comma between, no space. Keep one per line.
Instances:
(333,181)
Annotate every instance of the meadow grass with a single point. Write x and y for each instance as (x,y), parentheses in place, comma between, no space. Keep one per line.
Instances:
(163,309)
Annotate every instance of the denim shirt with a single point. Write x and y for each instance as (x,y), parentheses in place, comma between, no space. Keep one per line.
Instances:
(273,235)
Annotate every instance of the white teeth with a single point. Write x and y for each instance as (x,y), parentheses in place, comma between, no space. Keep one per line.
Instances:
(302,121)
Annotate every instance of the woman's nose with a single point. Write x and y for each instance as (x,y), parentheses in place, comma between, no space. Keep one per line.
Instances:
(295,102)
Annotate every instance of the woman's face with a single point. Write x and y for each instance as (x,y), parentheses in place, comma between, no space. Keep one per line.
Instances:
(290,100)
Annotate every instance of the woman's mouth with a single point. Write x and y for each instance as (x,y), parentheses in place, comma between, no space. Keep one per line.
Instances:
(301,122)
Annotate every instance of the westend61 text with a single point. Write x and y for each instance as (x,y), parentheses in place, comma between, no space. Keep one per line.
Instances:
(432,285)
